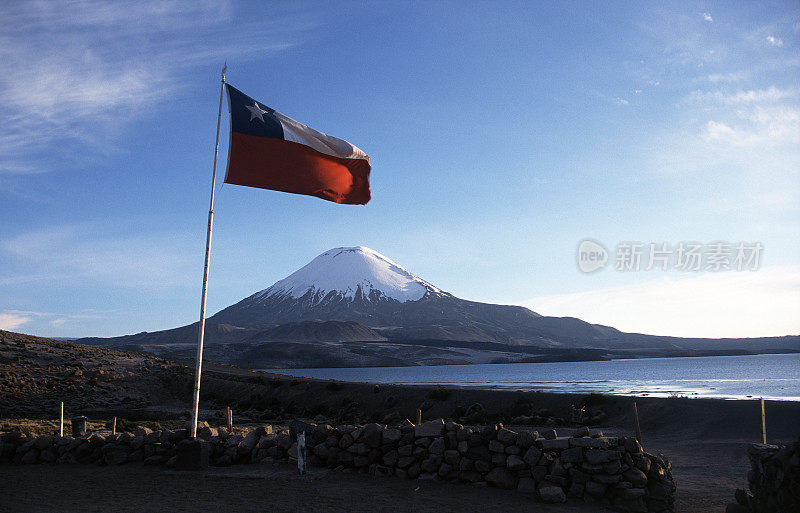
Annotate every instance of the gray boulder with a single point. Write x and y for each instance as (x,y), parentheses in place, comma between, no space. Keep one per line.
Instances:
(392,435)
(574,455)
(502,478)
(48,455)
(390,458)
(32,456)
(372,435)
(431,428)
(44,441)
(581,432)
(143,431)
(593,443)
(595,489)
(405,461)
(552,494)
(532,455)
(114,454)
(636,477)
(452,457)
(496,446)
(515,463)
(506,436)
(555,444)
(599,456)
(437,446)
(482,466)
(525,439)
(250,441)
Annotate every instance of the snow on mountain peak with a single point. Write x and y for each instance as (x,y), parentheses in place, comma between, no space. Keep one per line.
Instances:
(345,270)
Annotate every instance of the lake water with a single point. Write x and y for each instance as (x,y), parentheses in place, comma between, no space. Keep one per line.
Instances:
(775,376)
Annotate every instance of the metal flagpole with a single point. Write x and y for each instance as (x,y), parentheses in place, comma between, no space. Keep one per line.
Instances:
(196,398)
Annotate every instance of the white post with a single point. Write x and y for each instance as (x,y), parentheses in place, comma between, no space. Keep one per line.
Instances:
(301,453)
(196,398)
(61,422)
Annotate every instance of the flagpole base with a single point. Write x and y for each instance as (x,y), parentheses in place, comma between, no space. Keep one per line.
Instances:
(193,454)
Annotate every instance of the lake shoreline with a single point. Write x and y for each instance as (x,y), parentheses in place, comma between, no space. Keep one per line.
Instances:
(773,376)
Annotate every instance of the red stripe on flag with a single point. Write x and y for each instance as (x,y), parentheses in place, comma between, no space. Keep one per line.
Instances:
(279,165)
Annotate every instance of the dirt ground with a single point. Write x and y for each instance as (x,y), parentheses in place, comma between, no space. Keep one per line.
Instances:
(256,488)
(707,473)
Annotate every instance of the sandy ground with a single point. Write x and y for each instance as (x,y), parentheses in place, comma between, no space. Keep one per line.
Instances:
(80,488)
(707,472)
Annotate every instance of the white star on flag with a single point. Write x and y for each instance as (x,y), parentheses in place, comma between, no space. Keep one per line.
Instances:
(256,112)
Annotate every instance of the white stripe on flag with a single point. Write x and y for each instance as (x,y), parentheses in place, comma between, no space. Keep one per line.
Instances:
(297,132)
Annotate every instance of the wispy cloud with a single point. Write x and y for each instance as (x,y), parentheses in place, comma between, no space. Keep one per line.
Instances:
(731,304)
(10,320)
(727,77)
(763,128)
(727,136)
(13,319)
(98,256)
(71,71)
(758,117)
(774,41)
(771,94)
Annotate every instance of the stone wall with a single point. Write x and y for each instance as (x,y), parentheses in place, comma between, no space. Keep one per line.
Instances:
(585,466)
(773,479)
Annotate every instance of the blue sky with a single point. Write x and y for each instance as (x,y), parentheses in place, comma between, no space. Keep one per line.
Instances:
(501,135)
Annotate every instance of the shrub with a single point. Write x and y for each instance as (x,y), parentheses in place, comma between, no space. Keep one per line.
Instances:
(521,406)
(333,386)
(122,425)
(594,399)
(440,393)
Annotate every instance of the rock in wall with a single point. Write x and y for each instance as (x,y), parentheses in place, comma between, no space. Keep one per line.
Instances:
(773,479)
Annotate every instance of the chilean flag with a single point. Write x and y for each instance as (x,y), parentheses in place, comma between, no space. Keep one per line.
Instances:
(272,151)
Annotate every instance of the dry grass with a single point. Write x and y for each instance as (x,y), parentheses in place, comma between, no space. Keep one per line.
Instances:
(45,426)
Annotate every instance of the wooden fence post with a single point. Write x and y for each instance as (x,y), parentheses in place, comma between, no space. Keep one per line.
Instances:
(763,423)
(229,418)
(636,420)
(61,422)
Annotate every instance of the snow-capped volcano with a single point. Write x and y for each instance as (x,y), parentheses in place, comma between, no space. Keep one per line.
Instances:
(355,293)
(350,272)
(353,307)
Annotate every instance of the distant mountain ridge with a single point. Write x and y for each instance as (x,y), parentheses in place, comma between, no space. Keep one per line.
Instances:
(356,295)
